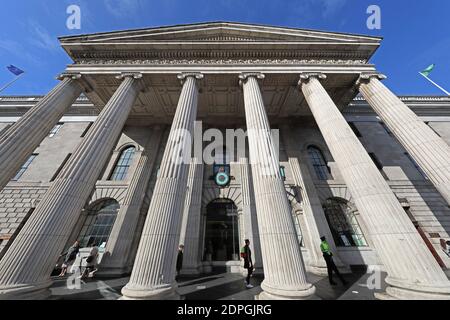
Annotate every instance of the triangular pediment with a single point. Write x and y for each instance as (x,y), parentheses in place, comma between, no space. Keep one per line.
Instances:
(220,31)
(219,40)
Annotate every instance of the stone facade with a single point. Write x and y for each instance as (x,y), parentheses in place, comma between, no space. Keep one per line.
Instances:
(153,98)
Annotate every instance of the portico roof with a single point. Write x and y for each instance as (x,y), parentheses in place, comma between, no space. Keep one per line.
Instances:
(234,38)
(221,51)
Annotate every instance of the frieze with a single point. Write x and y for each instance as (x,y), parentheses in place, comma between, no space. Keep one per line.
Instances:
(219,61)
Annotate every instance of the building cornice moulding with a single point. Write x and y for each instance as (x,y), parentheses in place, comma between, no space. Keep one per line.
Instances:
(218,55)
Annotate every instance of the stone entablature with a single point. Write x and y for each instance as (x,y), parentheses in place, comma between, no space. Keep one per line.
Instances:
(424,106)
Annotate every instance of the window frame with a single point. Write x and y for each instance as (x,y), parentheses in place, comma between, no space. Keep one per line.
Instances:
(321,169)
(348,227)
(99,209)
(55,129)
(25,167)
(120,170)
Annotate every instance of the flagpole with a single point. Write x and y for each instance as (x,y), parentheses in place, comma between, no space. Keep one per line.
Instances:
(446,92)
(14,80)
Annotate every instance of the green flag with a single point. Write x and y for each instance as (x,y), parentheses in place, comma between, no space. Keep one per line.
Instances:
(428,70)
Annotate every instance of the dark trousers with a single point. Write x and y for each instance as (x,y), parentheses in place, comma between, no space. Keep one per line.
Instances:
(250,271)
(332,267)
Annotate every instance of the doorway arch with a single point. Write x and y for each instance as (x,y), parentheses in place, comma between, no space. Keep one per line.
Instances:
(221,241)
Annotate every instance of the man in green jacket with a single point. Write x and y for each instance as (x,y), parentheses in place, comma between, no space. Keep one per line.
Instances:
(328,256)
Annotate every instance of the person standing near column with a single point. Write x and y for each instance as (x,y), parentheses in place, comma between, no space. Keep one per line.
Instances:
(246,254)
(179,260)
(328,256)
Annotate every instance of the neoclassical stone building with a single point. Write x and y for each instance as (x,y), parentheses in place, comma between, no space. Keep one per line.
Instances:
(91,160)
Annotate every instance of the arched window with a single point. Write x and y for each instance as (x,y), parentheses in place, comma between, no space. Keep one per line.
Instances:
(123,164)
(318,162)
(343,224)
(99,222)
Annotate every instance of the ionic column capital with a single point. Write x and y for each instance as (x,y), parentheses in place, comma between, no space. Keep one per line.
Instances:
(305,77)
(78,77)
(135,76)
(243,77)
(184,75)
(367,76)
(70,75)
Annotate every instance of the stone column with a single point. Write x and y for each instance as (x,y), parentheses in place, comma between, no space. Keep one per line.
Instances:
(153,275)
(190,229)
(430,151)
(250,230)
(284,269)
(316,222)
(26,267)
(117,251)
(413,273)
(22,138)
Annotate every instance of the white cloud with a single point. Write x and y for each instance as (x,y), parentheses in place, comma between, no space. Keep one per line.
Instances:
(16,48)
(332,6)
(123,8)
(41,37)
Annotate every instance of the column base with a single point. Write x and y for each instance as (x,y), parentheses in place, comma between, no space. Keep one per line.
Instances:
(26,292)
(393,293)
(398,290)
(279,294)
(168,293)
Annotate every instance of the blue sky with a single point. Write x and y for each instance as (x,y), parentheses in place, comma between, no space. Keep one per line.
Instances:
(416,33)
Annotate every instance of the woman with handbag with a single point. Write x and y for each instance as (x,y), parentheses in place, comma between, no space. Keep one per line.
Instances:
(71,255)
(91,261)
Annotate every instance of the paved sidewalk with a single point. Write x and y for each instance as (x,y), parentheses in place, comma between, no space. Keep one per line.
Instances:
(219,286)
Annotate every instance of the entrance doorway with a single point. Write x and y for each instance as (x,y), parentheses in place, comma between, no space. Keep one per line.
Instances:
(221,231)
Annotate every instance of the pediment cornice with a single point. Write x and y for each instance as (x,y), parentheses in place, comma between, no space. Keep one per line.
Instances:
(220,41)
(222,57)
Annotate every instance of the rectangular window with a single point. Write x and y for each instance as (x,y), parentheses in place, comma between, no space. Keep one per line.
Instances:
(378,164)
(355,129)
(376,161)
(24,167)
(60,167)
(385,127)
(86,130)
(55,129)
(416,165)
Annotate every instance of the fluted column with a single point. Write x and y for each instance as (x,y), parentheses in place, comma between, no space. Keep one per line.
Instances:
(429,150)
(22,138)
(316,222)
(250,223)
(153,275)
(190,229)
(284,269)
(315,219)
(117,252)
(26,267)
(413,273)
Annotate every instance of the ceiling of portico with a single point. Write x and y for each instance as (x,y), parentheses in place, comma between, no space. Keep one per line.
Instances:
(221,98)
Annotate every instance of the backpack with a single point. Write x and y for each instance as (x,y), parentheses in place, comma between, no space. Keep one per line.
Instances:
(243,253)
